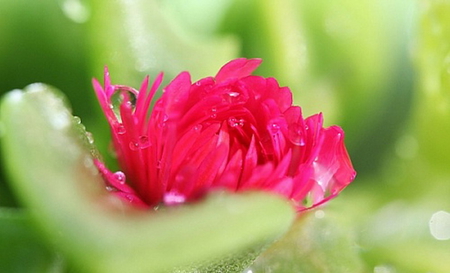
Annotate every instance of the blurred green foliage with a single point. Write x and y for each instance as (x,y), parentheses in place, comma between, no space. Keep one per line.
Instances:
(380,69)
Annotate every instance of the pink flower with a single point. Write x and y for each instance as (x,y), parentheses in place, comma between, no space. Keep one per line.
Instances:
(234,131)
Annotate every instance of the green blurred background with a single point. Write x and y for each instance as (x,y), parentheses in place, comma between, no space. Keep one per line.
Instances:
(380,69)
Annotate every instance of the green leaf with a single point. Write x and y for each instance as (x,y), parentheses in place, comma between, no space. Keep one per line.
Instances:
(54,176)
(432,111)
(318,241)
(136,38)
(397,236)
(20,246)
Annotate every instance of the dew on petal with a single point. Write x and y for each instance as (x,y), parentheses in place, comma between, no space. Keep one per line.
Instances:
(144,142)
(233,97)
(274,128)
(235,122)
(295,135)
(174,198)
(120,96)
(119,128)
(198,127)
(213,112)
(134,145)
(120,177)
(163,121)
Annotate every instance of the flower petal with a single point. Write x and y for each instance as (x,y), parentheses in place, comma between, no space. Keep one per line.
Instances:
(237,68)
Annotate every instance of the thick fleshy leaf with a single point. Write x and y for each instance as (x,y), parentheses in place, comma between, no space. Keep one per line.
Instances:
(20,246)
(317,242)
(54,175)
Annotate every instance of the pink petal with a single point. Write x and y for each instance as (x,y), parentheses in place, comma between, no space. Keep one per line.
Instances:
(237,68)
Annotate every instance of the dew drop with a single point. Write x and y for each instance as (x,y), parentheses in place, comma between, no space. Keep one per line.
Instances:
(120,177)
(213,112)
(134,146)
(77,120)
(274,128)
(144,142)
(235,122)
(120,128)
(198,127)
(234,94)
(121,95)
(295,135)
(164,120)
(174,198)
(90,137)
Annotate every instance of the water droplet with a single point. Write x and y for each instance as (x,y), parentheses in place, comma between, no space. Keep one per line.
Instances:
(77,120)
(119,128)
(440,225)
(174,198)
(295,135)
(198,127)
(90,137)
(274,128)
(109,188)
(234,122)
(144,142)
(123,95)
(134,146)
(213,112)
(235,96)
(76,11)
(120,177)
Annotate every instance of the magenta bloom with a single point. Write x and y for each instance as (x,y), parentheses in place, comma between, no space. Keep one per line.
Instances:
(234,131)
